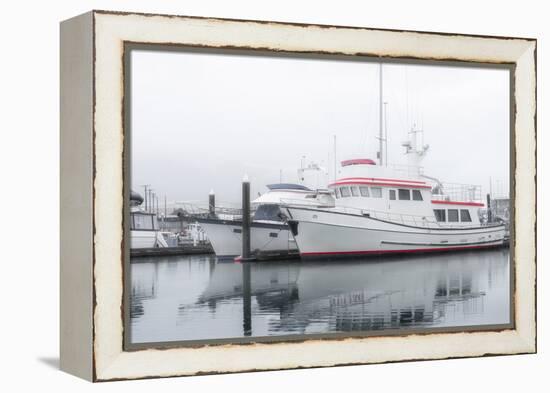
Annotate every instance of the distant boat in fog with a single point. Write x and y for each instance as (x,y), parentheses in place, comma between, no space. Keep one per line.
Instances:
(144,228)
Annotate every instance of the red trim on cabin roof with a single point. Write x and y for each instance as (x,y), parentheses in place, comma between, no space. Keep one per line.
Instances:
(382,179)
(457,203)
(360,182)
(408,251)
(358,161)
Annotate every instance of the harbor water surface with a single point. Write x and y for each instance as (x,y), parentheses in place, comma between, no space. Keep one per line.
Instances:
(198,297)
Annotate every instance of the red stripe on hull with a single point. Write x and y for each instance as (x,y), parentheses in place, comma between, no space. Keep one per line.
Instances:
(458,203)
(409,251)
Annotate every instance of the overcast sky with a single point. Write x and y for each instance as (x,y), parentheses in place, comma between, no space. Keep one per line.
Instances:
(202,121)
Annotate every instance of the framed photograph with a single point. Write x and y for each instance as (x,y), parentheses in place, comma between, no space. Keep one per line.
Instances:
(243,195)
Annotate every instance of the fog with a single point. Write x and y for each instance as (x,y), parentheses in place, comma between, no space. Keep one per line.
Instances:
(202,121)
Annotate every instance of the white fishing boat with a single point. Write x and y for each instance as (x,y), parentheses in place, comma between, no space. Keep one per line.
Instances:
(382,209)
(144,229)
(269,233)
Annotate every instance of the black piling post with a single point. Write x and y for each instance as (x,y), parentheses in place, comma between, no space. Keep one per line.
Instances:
(246,219)
(489,212)
(247,300)
(212,204)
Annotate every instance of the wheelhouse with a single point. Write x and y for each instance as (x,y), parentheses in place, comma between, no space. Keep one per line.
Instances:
(384,190)
(142,221)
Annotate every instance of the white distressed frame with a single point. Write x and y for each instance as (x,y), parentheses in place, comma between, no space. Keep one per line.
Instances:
(109,361)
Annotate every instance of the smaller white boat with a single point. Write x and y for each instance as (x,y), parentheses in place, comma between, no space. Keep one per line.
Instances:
(144,228)
(268,232)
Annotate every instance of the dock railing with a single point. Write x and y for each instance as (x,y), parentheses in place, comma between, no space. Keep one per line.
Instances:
(197,211)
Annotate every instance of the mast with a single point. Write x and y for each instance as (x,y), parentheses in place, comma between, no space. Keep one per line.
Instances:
(415,152)
(335,162)
(380,120)
(386,133)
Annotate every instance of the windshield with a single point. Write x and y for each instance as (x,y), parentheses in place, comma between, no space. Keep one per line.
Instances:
(269,212)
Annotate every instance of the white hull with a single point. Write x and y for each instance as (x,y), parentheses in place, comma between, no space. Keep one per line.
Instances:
(226,238)
(143,239)
(330,233)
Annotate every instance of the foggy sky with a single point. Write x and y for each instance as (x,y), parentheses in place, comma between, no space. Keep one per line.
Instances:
(202,121)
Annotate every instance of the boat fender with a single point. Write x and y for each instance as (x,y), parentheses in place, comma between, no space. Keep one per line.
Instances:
(293,225)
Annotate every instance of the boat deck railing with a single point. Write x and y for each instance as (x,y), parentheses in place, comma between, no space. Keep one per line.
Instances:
(457,192)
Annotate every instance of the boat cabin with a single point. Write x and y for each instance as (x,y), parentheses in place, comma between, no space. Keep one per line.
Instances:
(401,193)
(267,205)
(143,221)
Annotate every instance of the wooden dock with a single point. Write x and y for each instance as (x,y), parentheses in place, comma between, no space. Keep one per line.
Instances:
(276,255)
(170,251)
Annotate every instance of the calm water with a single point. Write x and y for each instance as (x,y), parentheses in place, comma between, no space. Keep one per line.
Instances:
(198,297)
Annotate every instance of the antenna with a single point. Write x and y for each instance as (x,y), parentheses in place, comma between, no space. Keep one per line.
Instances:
(334,157)
(380,123)
(386,132)
(407,97)
(145,195)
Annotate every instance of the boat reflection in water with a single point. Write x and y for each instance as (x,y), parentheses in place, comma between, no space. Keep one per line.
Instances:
(197,297)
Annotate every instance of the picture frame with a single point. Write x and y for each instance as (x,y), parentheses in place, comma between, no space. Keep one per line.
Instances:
(93,193)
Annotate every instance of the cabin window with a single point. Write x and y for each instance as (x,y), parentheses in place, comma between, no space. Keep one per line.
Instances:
(465,215)
(404,195)
(376,192)
(345,192)
(143,221)
(439,215)
(364,191)
(417,195)
(337,193)
(268,212)
(354,191)
(453,215)
(392,195)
